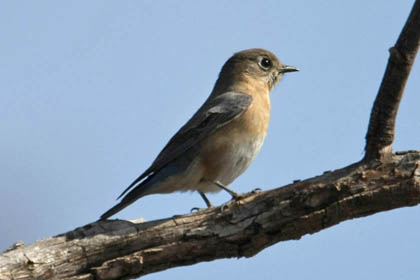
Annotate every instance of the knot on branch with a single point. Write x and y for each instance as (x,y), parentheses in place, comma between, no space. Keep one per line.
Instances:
(399,57)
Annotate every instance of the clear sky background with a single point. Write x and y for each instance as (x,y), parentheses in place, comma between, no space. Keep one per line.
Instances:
(91,91)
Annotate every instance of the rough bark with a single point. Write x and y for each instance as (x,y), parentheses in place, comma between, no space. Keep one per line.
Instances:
(118,249)
(380,134)
(122,249)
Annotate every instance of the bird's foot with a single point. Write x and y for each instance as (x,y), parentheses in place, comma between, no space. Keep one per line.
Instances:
(177,216)
(196,209)
(224,207)
(256,190)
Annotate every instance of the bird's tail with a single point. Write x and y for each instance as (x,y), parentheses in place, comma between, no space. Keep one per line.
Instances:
(146,187)
(133,195)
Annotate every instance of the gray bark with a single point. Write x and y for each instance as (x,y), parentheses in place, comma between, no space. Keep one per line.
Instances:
(118,249)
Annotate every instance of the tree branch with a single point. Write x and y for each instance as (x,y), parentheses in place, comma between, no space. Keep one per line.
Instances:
(380,134)
(118,249)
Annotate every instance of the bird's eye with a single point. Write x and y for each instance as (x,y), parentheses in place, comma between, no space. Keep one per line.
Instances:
(265,63)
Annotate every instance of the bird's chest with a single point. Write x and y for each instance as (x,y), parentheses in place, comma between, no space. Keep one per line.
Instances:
(233,147)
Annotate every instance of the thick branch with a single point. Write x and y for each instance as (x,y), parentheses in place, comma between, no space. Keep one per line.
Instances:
(120,249)
(380,134)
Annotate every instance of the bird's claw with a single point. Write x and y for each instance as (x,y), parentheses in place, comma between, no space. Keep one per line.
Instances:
(256,190)
(223,207)
(196,209)
(176,216)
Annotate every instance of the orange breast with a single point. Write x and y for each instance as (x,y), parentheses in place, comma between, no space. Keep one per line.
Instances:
(229,151)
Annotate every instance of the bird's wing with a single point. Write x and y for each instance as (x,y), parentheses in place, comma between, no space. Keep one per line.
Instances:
(214,113)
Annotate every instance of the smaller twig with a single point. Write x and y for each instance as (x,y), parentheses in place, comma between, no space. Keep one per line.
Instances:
(380,133)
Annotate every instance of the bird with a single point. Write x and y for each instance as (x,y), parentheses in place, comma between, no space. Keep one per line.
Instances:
(221,139)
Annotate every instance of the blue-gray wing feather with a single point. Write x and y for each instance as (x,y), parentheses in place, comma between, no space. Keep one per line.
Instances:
(214,114)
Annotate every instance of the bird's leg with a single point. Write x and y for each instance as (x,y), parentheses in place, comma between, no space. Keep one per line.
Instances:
(232,193)
(206,200)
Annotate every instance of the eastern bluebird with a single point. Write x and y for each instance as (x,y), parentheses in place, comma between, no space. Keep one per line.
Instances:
(221,139)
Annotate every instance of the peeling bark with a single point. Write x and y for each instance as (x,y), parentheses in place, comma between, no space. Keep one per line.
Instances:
(118,249)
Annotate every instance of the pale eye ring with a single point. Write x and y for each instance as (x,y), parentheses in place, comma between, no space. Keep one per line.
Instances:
(265,63)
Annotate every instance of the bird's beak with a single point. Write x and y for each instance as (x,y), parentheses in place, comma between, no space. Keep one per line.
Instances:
(288,68)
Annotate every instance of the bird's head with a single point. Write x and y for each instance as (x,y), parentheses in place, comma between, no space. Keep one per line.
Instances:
(256,67)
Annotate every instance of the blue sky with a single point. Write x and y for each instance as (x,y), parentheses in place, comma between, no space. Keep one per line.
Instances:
(90,92)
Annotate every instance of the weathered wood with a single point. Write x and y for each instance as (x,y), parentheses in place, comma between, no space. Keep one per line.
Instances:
(118,249)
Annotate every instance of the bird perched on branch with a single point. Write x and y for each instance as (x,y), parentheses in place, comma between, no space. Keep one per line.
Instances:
(221,139)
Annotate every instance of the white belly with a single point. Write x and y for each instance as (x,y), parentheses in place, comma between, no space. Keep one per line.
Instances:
(233,162)
(238,159)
